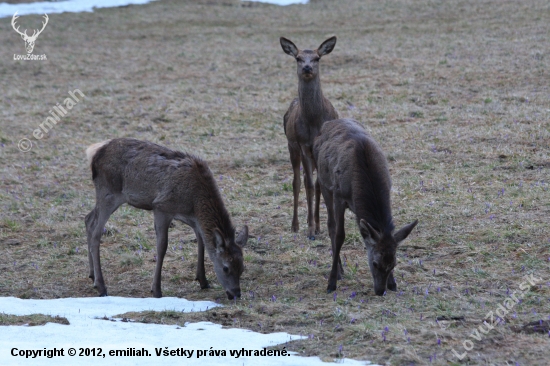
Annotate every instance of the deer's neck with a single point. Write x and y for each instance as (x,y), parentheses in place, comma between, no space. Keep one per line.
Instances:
(311,99)
(213,215)
(371,193)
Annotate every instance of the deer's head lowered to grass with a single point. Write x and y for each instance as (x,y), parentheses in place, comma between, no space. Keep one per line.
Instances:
(29,40)
(353,174)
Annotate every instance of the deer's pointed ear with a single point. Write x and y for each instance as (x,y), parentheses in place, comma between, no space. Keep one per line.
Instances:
(369,234)
(289,47)
(327,46)
(404,232)
(242,238)
(219,241)
(23,36)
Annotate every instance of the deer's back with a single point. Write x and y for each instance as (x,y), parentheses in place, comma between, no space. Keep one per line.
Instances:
(351,165)
(150,175)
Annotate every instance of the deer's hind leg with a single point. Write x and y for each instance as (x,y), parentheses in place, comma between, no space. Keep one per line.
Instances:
(331,224)
(338,235)
(106,204)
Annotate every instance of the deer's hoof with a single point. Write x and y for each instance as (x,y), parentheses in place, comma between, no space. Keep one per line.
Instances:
(295,225)
(203,283)
(311,233)
(331,288)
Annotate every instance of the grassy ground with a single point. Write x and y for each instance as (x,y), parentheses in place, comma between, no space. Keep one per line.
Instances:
(31,320)
(455,92)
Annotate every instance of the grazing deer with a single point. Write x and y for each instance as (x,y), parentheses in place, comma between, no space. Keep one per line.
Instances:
(174,185)
(353,173)
(303,121)
(29,40)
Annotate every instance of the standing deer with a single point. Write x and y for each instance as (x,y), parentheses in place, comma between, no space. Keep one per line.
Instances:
(174,185)
(303,121)
(353,174)
(29,41)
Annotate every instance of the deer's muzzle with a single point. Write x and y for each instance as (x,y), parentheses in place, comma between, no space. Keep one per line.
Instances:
(233,293)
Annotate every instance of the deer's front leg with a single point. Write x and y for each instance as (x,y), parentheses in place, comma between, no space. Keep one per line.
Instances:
(162,222)
(295,161)
(201,275)
(317,203)
(392,285)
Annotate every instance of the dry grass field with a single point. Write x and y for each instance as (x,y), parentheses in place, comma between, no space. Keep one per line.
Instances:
(456,93)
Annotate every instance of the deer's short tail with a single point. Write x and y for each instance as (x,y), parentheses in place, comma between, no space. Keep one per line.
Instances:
(92,150)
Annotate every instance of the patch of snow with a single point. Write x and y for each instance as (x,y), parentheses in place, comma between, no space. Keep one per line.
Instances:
(86,331)
(71,6)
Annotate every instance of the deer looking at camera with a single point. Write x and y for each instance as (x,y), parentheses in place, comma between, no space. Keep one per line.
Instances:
(174,185)
(353,173)
(303,121)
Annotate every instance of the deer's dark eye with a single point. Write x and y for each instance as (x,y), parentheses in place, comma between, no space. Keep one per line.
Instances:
(225,269)
(316,59)
(299,59)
